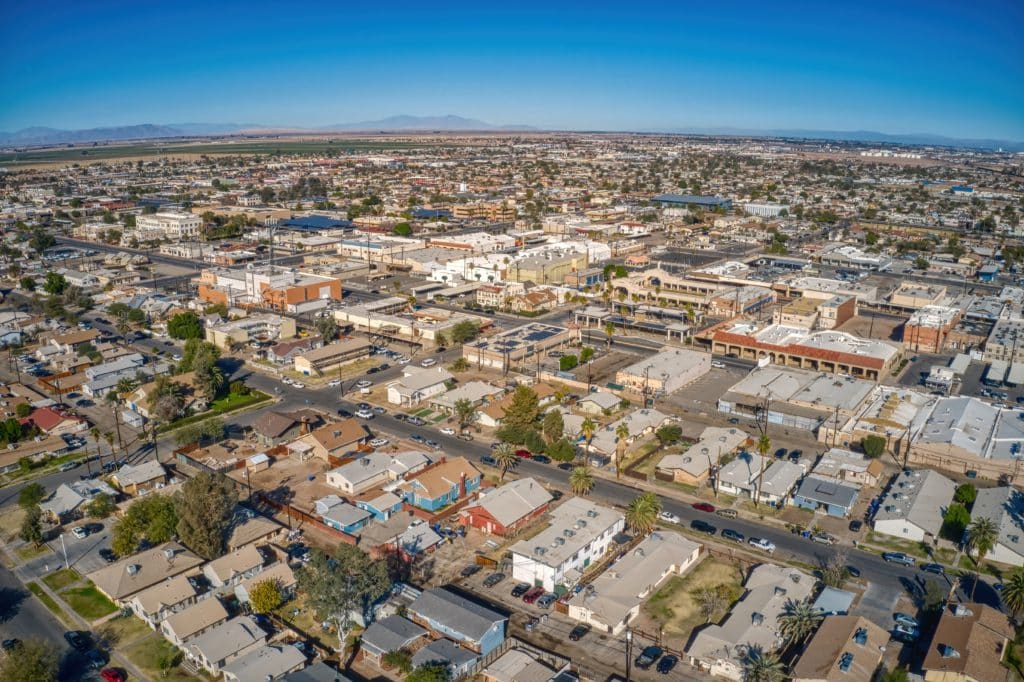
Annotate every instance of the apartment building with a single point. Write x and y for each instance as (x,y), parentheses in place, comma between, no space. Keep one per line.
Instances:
(327,359)
(167,225)
(494,211)
(262,327)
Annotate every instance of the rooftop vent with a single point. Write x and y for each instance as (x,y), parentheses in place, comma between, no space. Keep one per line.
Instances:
(845,662)
(961,611)
(133,569)
(756,618)
(948,652)
(861,636)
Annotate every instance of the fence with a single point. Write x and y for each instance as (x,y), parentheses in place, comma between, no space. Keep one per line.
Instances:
(305,518)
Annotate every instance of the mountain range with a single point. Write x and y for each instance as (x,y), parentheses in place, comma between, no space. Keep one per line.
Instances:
(36,136)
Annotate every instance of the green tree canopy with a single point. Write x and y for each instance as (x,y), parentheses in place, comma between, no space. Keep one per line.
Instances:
(265,596)
(32,660)
(668,434)
(152,518)
(55,283)
(31,526)
(523,409)
(327,328)
(431,672)
(205,505)
(31,495)
(185,325)
(873,446)
(553,426)
(966,494)
(464,332)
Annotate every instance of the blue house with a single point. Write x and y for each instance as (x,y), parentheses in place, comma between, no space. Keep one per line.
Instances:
(987,273)
(447,614)
(817,492)
(382,506)
(458,660)
(340,515)
(442,484)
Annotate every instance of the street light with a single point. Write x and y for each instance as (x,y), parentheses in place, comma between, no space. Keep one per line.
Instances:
(629,652)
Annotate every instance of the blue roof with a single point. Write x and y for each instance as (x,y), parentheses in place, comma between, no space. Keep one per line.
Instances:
(315,222)
(431,213)
(961,188)
(691,199)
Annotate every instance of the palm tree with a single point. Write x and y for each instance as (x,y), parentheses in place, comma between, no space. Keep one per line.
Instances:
(581,481)
(505,457)
(95,433)
(621,434)
(762,666)
(1013,591)
(764,444)
(588,427)
(798,621)
(126,385)
(642,513)
(981,538)
(109,437)
(609,329)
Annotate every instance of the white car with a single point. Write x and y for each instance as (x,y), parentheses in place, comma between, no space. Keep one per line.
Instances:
(429,362)
(448,431)
(668,517)
(364,414)
(364,383)
(79,532)
(334,383)
(287,380)
(298,384)
(379,442)
(762,544)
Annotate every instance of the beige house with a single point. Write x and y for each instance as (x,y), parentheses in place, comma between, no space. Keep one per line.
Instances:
(123,579)
(224,643)
(158,602)
(230,569)
(844,648)
(193,621)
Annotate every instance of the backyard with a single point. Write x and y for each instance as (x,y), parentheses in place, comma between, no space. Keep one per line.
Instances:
(674,607)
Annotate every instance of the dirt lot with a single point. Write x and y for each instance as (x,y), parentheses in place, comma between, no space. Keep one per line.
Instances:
(884,328)
(292,475)
(673,607)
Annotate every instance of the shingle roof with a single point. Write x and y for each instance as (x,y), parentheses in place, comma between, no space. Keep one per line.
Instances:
(457,613)
(391,634)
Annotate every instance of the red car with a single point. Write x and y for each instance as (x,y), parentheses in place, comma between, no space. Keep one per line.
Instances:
(524,453)
(533,595)
(703,506)
(112,675)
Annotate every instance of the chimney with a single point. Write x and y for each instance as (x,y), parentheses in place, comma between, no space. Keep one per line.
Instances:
(305,426)
(462,484)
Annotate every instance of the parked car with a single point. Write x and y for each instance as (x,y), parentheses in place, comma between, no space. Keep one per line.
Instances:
(824,539)
(489,461)
(470,570)
(67,466)
(704,506)
(334,383)
(727,513)
(703,527)
(546,600)
(905,633)
(856,525)
(647,657)
(79,641)
(525,454)
(780,453)
(905,619)
(364,414)
(533,594)
(937,569)
(493,579)
(667,663)
(520,589)
(432,444)
(416,438)
(542,459)
(108,555)
(668,517)
(853,571)
(566,466)
(730,534)
(429,362)
(762,544)
(379,442)
(80,532)
(364,383)
(579,632)
(448,431)
(898,558)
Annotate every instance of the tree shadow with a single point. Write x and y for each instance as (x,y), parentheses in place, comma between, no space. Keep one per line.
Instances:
(10,602)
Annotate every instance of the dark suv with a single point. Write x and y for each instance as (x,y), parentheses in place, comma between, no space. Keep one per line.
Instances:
(703,527)
(647,657)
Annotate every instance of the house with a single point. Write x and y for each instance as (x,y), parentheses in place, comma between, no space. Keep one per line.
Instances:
(193,621)
(850,467)
(598,403)
(614,598)
(476,392)
(413,540)
(381,505)
(281,573)
(161,600)
(844,648)
(505,510)
(441,484)
(914,505)
(70,341)
(248,528)
(340,515)
(968,645)
(387,635)
(192,398)
(743,475)
(68,499)
(518,665)
(318,672)
(694,466)
(124,579)
(817,492)
(492,414)
(446,614)
(234,567)
(136,479)
(55,422)
(273,427)
(639,422)
(579,534)
(328,359)
(375,469)
(220,645)
(418,384)
(1004,506)
(719,648)
(268,663)
(833,602)
(285,352)
(458,660)
(335,439)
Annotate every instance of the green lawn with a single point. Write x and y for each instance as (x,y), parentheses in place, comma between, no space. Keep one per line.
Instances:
(147,653)
(47,601)
(58,580)
(676,610)
(29,552)
(88,602)
(229,403)
(122,630)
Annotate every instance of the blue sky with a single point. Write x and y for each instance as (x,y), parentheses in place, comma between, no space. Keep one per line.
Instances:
(898,66)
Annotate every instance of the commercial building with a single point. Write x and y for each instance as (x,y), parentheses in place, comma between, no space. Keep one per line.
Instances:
(284,289)
(914,505)
(550,267)
(580,533)
(929,328)
(764,209)
(847,256)
(1006,342)
(260,327)
(914,295)
(664,372)
(329,358)
(708,203)
(888,412)
(167,225)
(516,347)
(608,603)
(815,313)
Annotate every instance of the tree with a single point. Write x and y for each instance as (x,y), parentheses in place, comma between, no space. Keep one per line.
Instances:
(265,596)
(553,426)
(581,481)
(464,331)
(894,675)
(585,354)
(561,450)
(460,365)
(55,283)
(643,512)
(22,410)
(152,518)
(431,672)
(101,506)
(465,412)
(764,445)
(981,538)
(1013,591)
(621,436)
(31,495)
(588,428)
(833,569)
(955,522)
(27,283)
(440,341)
(920,263)
(340,584)
(668,434)
(40,241)
(185,325)
(212,429)
(208,377)
(505,457)
(327,328)
(31,525)
(567,362)
(966,494)
(798,621)
(762,666)
(32,660)
(523,409)
(609,329)
(205,506)
(168,657)
(401,660)
(709,601)
(873,446)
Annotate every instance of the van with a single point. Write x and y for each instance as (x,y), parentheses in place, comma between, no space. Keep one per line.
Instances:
(727,513)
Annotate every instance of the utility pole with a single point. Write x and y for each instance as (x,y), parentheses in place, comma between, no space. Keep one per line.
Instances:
(629,652)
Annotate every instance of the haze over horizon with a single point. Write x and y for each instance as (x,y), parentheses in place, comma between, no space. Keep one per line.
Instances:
(902,69)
